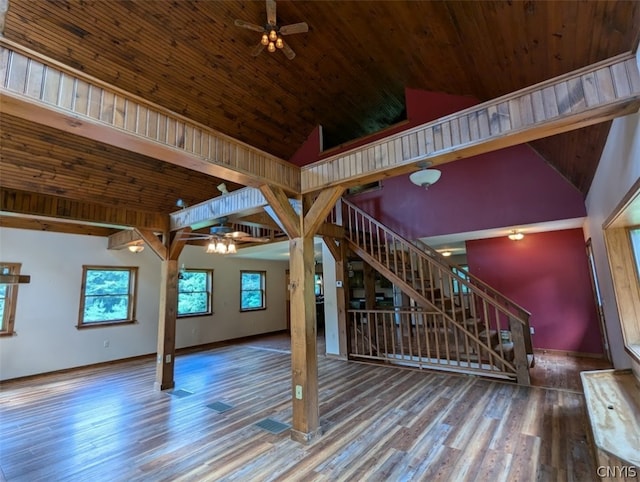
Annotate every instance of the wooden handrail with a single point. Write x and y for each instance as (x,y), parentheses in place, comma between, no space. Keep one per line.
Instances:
(432,283)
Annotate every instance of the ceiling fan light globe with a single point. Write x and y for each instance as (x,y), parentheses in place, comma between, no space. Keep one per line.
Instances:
(231,249)
(273,35)
(211,248)
(265,39)
(279,43)
(272,47)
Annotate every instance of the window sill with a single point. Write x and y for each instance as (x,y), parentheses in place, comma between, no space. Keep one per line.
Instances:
(105,323)
(634,351)
(195,315)
(7,333)
(248,310)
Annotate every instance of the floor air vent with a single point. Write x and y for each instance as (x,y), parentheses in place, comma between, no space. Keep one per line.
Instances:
(273,426)
(180,393)
(219,407)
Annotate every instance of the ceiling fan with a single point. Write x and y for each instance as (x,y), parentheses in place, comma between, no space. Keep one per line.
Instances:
(236,233)
(272,32)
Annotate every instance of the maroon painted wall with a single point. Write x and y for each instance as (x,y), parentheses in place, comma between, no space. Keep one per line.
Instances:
(547,274)
(510,187)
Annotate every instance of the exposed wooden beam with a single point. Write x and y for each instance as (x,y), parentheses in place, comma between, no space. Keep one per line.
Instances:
(590,95)
(279,203)
(177,244)
(41,90)
(47,207)
(333,247)
(241,202)
(320,209)
(54,226)
(258,220)
(330,230)
(123,239)
(14,279)
(152,240)
(166,345)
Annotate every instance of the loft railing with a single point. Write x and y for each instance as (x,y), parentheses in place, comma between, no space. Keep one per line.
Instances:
(490,329)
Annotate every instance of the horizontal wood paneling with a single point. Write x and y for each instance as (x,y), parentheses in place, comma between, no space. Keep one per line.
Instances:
(587,96)
(32,86)
(243,201)
(54,226)
(48,161)
(45,207)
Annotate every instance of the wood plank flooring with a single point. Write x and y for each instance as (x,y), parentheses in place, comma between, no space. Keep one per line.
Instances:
(380,424)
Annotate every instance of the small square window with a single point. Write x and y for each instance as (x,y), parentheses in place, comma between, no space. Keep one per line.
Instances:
(108,296)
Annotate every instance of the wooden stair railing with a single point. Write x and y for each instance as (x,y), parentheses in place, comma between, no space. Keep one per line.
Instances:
(474,323)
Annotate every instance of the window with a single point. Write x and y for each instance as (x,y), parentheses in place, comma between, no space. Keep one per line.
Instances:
(194,292)
(108,296)
(317,285)
(8,299)
(635,245)
(252,292)
(457,286)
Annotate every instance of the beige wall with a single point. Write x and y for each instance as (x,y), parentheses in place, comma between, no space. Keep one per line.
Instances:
(47,308)
(618,170)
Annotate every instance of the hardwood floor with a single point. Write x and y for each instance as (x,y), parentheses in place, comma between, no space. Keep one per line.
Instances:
(380,423)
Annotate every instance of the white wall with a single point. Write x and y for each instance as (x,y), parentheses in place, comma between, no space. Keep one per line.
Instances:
(618,170)
(47,308)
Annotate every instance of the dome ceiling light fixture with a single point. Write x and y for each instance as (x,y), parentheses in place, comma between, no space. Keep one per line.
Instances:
(425,177)
(515,235)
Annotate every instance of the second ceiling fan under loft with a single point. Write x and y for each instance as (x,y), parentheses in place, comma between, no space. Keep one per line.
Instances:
(272,32)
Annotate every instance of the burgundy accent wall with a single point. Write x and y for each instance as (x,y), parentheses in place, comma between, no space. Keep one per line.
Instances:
(309,151)
(509,187)
(422,107)
(547,274)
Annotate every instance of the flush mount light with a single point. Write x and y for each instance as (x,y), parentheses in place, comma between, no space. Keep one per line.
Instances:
(516,235)
(446,254)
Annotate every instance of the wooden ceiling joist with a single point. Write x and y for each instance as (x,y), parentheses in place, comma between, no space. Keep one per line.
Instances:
(45,92)
(586,96)
(243,201)
(46,207)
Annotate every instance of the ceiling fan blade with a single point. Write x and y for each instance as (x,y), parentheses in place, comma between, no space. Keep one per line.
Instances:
(271,12)
(301,27)
(257,49)
(288,51)
(250,26)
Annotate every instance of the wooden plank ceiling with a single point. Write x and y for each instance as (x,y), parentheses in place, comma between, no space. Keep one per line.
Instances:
(349,76)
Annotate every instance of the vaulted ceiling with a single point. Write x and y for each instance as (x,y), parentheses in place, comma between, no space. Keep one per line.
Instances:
(349,76)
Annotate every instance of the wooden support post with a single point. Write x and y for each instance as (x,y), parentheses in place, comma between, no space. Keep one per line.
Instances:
(301,228)
(519,352)
(168,313)
(304,358)
(167,325)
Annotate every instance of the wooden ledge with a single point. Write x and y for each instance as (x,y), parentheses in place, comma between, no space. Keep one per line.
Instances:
(613,405)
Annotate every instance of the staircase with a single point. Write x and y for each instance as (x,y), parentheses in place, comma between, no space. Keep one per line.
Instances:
(458,323)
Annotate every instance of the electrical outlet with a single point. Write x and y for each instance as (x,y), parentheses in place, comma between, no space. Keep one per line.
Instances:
(167,358)
(299,392)
(106,343)
(532,330)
